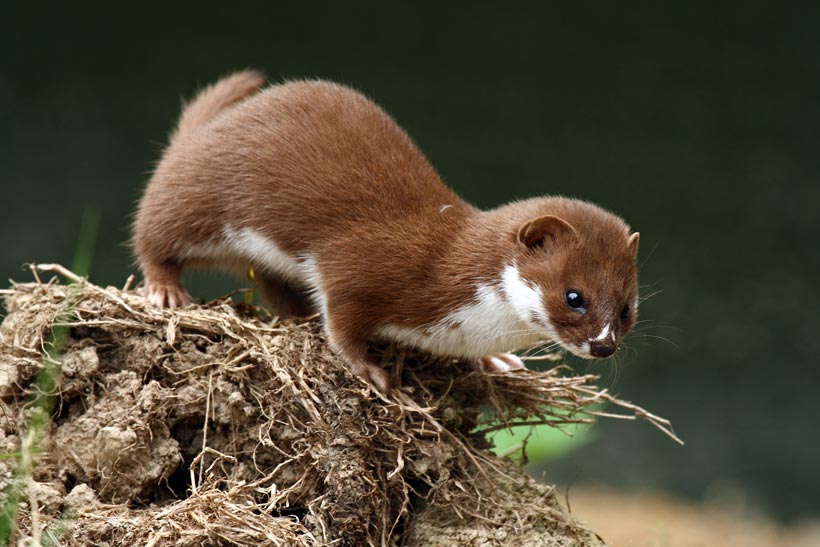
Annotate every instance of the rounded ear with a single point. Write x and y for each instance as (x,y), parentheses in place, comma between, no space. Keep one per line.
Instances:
(632,243)
(544,231)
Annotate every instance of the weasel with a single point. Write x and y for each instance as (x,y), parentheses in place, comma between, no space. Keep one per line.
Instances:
(338,212)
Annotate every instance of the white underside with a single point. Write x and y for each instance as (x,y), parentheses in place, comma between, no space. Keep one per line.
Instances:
(244,247)
(504,315)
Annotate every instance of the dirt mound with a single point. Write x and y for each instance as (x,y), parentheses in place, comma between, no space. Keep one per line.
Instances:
(218,425)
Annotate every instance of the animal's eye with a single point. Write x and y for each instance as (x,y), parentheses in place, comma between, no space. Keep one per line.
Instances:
(625,312)
(574,299)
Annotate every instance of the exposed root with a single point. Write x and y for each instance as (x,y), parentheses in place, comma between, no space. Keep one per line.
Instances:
(216,424)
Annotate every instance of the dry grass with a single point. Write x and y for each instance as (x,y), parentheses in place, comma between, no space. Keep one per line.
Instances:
(216,424)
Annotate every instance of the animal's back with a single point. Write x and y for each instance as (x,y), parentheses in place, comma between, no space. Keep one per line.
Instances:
(291,158)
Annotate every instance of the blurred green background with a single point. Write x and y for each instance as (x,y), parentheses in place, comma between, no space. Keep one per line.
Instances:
(698,122)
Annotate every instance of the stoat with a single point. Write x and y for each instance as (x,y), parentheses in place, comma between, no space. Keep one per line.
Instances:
(337,211)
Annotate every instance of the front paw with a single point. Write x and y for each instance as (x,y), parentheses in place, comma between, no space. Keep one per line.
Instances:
(500,362)
(375,375)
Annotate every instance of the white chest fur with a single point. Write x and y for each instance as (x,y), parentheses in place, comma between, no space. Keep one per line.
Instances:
(499,319)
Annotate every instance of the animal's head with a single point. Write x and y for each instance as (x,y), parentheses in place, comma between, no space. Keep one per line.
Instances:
(574,279)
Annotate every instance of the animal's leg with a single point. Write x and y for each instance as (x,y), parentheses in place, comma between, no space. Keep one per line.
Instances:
(348,340)
(286,299)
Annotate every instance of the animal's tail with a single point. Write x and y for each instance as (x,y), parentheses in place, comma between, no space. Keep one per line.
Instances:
(215,98)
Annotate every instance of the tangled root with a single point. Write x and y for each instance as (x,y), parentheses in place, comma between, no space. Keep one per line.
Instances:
(217,424)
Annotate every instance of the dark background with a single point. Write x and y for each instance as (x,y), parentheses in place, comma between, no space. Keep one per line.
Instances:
(698,122)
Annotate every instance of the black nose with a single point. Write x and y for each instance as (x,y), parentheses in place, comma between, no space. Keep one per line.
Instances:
(601,349)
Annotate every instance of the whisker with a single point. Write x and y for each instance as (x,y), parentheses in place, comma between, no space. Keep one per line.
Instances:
(540,346)
(543,353)
(648,296)
(647,335)
(647,285)
(629,348)
(648,256)
(616,370)
(646,324)
(645,321)
(644,328)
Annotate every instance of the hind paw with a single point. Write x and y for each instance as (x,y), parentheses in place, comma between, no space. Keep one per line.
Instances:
(167,295)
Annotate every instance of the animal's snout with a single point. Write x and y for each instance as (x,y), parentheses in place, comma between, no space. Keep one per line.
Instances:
(601,349)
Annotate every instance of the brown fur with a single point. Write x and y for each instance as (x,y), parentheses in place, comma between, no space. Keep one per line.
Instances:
(321,170)
(597,259)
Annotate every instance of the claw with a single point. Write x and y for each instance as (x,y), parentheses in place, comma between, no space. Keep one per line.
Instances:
(373,374)
(167,296)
